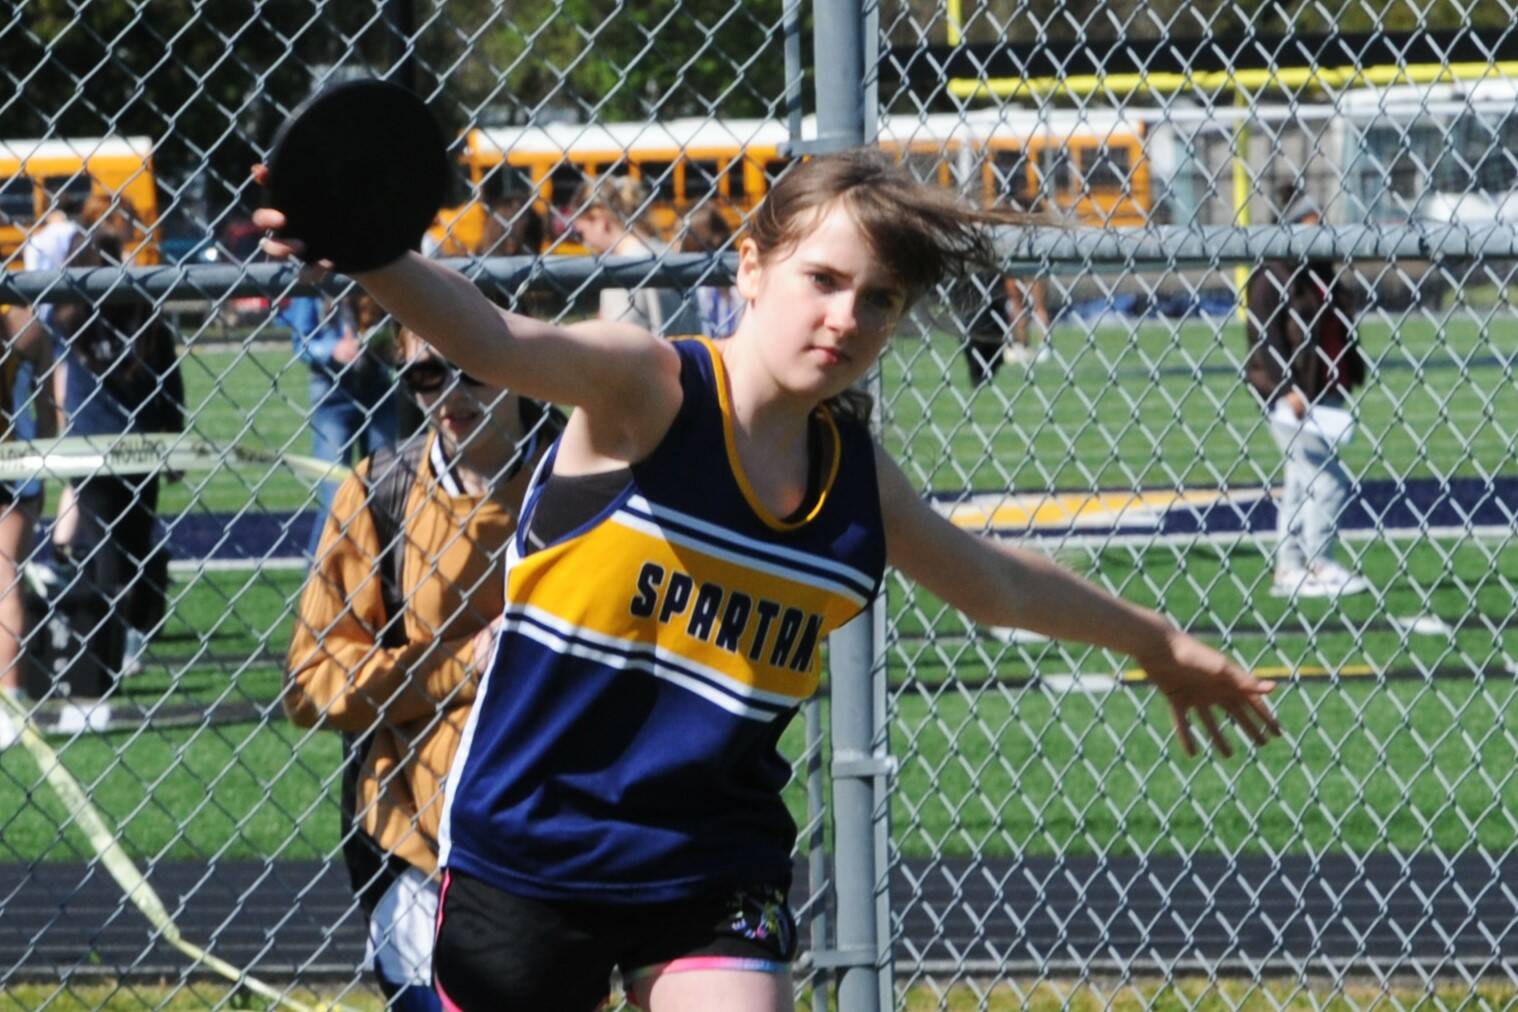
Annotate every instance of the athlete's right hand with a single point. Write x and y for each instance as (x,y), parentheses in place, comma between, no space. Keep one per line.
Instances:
(271,221)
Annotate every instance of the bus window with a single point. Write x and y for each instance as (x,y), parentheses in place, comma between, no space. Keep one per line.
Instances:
(1054,176)
(76,186)
(563,182)
(1009,176)
(774,168)
(506,181)
(701,178)
(1106,168)
(924,165)
(659,177)
(16,206)
(737,180)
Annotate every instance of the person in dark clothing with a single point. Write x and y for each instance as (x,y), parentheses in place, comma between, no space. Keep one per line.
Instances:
(124,378)
(1303,360)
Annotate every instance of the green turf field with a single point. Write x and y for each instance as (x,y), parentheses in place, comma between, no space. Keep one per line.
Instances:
(1414,760)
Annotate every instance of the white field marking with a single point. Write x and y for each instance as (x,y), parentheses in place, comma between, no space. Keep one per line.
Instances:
(1007,634)
(182,566)
(1421,625)
(1089,685)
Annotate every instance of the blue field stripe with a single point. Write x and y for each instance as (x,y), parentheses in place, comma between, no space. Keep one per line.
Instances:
(1386,504)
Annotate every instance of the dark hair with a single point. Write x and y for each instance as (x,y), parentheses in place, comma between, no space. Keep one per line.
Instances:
(514,228)
(921,233)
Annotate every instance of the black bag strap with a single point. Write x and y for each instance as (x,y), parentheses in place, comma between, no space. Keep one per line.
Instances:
(387,487)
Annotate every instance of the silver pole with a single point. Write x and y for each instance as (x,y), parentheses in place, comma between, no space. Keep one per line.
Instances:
(838,59)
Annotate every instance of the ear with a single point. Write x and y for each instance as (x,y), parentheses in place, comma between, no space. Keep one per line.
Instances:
(750,270)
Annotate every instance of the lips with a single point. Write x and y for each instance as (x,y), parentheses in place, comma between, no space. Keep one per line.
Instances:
(832,356)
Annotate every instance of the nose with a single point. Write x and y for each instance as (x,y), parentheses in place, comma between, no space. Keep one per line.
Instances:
(842,314)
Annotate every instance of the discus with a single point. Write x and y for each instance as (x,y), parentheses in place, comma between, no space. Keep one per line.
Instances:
(359,171)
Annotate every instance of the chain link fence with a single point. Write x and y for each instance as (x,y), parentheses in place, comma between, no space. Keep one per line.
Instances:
(1255,368)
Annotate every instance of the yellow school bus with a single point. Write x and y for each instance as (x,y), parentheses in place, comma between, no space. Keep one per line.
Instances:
(35,174)
(684,163)
(1089,167)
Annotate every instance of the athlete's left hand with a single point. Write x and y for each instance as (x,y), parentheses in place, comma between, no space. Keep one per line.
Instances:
(1195,677)
(484,643)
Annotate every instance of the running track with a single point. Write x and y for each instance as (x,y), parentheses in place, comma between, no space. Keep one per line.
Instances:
(1381,913)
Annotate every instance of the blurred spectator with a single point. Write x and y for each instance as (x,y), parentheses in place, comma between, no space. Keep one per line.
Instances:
(124,378)
(20,503)
(55,243)
(1303,361)
(720,307)
(516,228)
(979,301)
(609,220)
(394,630)
(513,228)
(348,347)
(111,223)
(1027,301)
(997,313)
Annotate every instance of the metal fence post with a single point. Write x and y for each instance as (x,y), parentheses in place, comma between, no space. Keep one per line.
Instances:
(839,33)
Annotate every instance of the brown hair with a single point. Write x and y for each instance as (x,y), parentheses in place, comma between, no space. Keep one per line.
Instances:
(706,231)
(621,196)
(920,232)
(513,228)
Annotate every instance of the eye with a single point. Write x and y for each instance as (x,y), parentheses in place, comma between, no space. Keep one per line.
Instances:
(821,280)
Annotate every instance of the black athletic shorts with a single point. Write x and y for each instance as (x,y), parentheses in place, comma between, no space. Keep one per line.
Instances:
(496,950)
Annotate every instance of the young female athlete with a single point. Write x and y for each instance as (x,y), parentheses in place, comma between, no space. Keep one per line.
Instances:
(711,512)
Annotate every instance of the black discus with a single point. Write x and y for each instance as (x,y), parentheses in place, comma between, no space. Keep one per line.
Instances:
(359,172)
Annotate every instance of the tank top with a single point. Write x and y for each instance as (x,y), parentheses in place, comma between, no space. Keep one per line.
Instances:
(623,747)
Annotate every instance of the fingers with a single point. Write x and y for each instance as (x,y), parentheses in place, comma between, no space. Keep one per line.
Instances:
(1183,728)
(1214,732)
(267,217)
(1265,713)
(1241,716)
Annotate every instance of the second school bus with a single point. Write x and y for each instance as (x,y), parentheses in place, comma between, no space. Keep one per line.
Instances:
(34,174)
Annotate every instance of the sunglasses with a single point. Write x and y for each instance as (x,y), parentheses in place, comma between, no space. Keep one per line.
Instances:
(431,375)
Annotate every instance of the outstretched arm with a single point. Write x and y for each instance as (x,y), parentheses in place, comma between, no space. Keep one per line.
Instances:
(1001,585)
(626,381)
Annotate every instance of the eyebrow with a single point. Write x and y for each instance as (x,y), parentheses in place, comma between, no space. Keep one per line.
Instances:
(825,268)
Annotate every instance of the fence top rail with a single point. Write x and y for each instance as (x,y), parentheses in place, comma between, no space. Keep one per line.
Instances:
(1023,249)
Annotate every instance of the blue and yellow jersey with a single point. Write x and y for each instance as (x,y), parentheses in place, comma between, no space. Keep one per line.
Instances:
(623,747)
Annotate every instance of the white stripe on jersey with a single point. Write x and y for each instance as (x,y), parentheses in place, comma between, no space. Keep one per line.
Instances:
(612,651)
(738,540)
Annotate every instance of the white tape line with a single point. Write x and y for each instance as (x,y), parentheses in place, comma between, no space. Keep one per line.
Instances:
(143,453)
(119,864)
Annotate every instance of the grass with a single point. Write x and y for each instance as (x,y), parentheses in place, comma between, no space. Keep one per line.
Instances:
(987,765)
(1411,763)
(1164,405)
